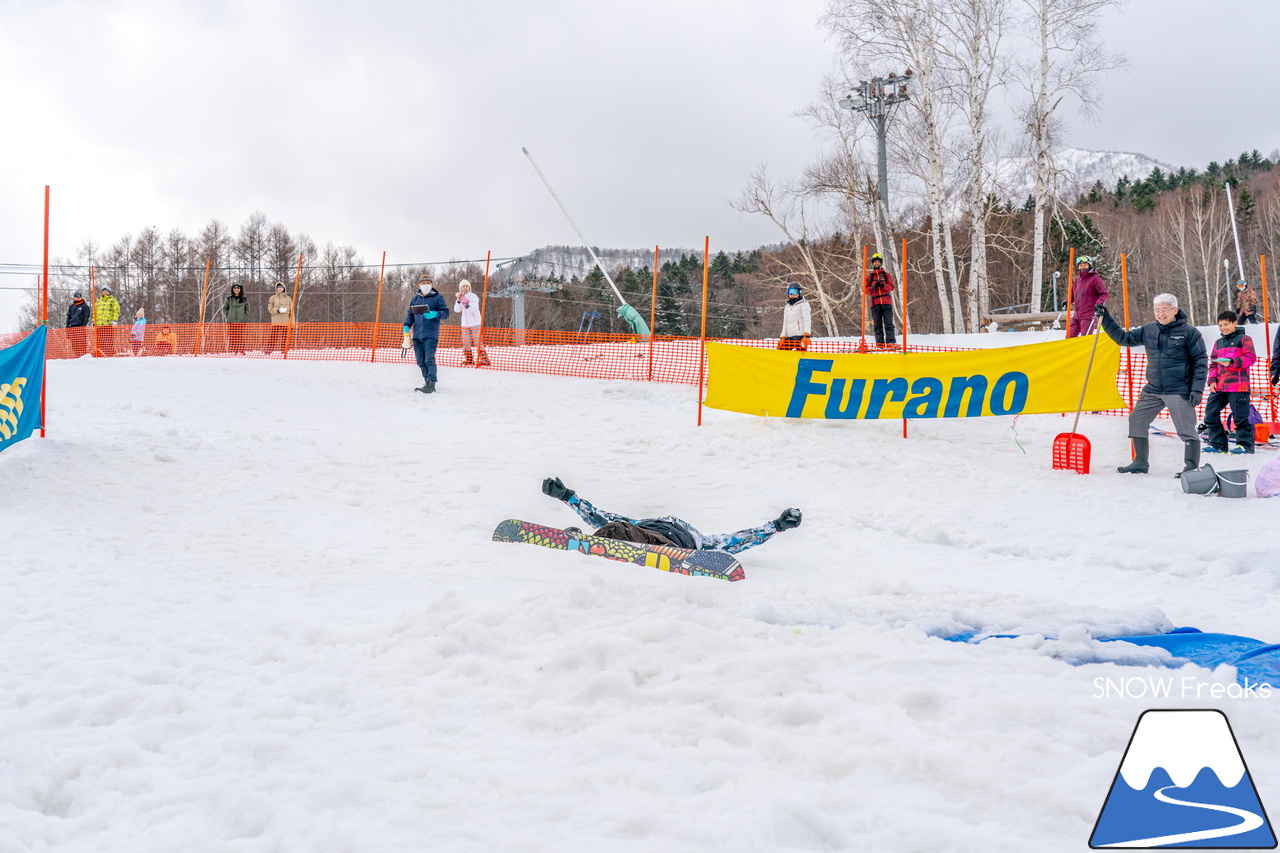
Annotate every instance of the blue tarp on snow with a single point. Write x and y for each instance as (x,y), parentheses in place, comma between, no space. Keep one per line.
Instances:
(1255,661)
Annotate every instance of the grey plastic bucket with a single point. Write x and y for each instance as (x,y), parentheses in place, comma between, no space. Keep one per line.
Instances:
(1200,481)
(1233,484)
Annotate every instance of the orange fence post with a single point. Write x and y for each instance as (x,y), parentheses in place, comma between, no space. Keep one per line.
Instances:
(1266,325)
(904,294)
(377,311)
(93,309)
(484,297)
(1071,270)
(702,359)
(653,310)
(293,312)
(44,383)
(862,285)
(204,292)
(1128,351)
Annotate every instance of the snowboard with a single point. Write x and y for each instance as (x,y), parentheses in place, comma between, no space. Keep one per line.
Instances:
(712,564)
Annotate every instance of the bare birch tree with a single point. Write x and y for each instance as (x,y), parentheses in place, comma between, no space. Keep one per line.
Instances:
(1070,62)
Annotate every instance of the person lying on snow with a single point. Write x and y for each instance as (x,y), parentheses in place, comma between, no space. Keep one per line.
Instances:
(667,530)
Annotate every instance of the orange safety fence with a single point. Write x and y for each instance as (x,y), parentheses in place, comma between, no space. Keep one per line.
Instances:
(555,353)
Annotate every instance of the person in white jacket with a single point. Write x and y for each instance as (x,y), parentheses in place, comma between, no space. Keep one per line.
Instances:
(797,320)
(467,306)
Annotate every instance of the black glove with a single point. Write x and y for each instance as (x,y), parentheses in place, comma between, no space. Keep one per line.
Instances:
(1099,310)
(1194,398)
(790,518)
(556,489)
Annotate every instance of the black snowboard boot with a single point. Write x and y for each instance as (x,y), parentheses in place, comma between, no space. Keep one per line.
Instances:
(483,360)
(1139,465)
(430,387)
(1190,456)
(466,357)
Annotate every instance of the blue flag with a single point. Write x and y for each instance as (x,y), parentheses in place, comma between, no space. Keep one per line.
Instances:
(21,381)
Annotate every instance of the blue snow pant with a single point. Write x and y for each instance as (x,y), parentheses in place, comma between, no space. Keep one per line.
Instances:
(733,543)
(424,349)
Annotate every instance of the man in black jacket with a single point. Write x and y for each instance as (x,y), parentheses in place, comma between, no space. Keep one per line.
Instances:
(77,319)
(1177,365)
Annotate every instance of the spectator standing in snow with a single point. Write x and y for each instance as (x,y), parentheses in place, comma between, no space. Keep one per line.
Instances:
(667,530)
(797,320)
(879,287)
(138,336)
(1177,366)
(236,309)
(105,314)
(467,306)
(1228,385)
(280,309)
(422,320)
(1087,292)
(77,319)
(166,341)
(1246,304)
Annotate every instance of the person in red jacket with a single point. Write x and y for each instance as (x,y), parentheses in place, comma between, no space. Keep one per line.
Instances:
(879,285)
(1088,291)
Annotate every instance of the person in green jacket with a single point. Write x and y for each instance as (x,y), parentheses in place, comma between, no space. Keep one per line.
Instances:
(236,309)
(106,311)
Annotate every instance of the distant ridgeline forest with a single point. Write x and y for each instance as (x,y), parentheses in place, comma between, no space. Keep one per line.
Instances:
(1174,227)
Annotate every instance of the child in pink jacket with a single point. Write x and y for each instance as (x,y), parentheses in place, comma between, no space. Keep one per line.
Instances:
(1228,385)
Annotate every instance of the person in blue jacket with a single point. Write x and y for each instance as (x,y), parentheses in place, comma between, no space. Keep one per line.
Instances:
(426,310)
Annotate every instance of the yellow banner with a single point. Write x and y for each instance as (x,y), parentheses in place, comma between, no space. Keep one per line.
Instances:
(1033,379)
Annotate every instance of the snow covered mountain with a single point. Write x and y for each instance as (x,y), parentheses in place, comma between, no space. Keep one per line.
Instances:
(1016,177)
(570,261)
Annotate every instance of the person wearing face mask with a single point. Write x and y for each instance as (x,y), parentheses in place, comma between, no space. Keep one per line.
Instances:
(797,320)
(422,320)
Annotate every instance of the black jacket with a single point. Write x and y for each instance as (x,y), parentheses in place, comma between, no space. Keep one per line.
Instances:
(1177,362)
(77,314)
(1275,359)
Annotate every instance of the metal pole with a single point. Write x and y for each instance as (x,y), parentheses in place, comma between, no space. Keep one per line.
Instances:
(1266,325)
(1234,233)
(882,166)
(565,211)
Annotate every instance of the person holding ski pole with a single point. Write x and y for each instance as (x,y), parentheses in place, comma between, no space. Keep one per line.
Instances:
(1087,292)
(667,530)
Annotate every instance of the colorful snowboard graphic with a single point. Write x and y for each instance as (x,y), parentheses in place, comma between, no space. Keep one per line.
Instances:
(712,564)
(1183,783)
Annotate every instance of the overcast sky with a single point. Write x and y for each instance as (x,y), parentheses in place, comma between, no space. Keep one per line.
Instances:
(397,126)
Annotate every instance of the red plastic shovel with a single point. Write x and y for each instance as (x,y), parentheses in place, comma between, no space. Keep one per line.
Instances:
(1071,451)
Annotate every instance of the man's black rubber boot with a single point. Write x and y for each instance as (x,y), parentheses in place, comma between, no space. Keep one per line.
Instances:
(1190,456)
(1139,465)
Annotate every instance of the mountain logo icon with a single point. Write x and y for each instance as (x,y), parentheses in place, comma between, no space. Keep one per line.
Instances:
(1183,783)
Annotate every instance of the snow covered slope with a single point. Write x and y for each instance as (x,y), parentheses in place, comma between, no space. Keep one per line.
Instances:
(254,606)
